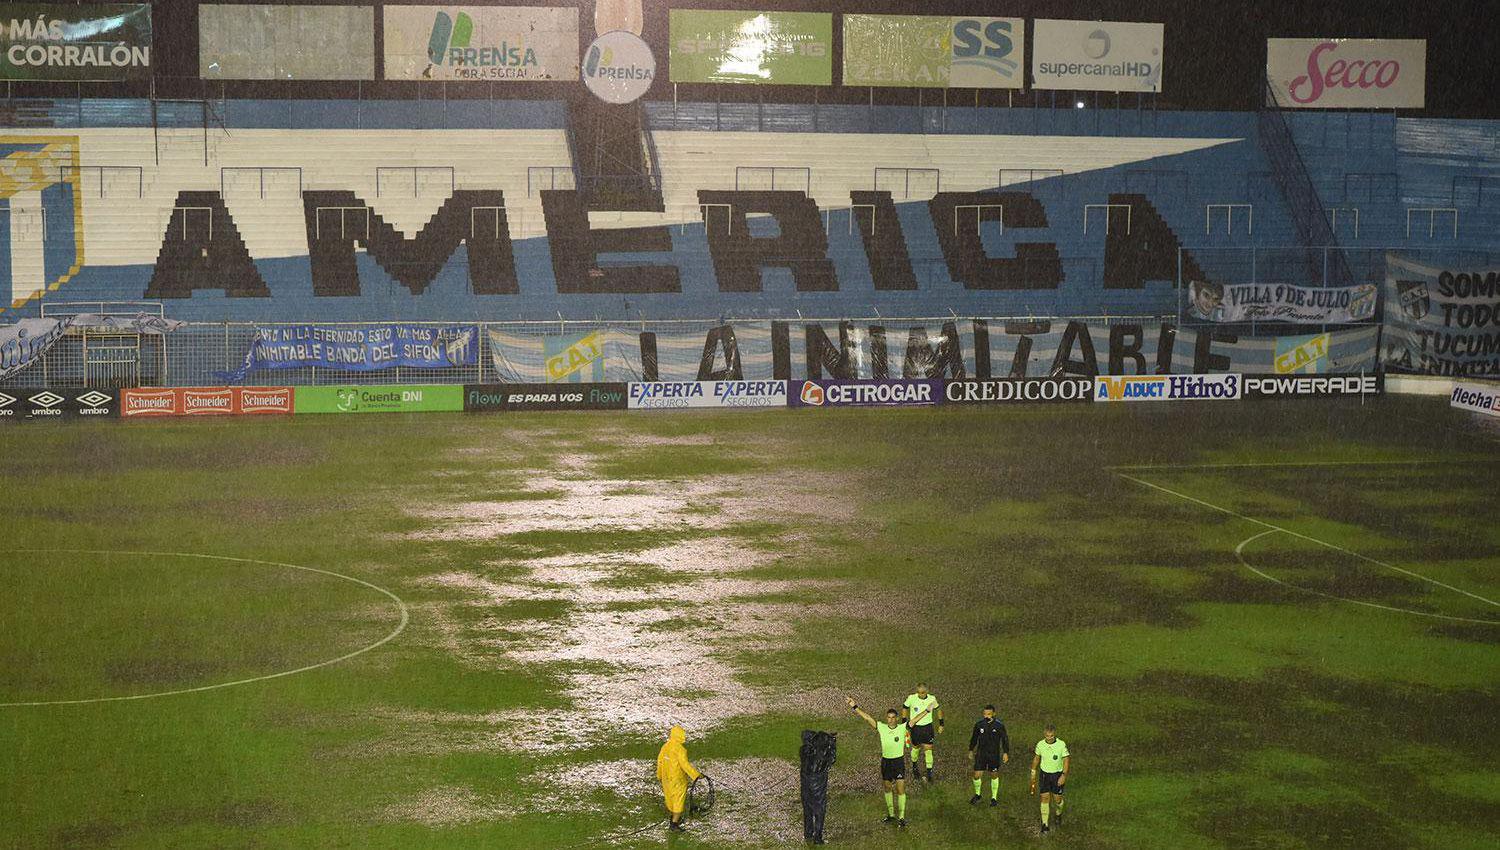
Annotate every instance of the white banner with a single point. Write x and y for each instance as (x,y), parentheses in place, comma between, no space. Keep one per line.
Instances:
(1348,73)
(1479,398)
(504,43)
(1280,302)
(1097,56)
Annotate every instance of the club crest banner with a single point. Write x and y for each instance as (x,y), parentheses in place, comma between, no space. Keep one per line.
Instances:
(1441,318)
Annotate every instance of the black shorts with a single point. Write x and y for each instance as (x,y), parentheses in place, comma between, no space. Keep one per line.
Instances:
(921,735)
(1049,785)
(892,769)
(986,761)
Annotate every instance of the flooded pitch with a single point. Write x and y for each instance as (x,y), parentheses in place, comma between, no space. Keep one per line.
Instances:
(643,635)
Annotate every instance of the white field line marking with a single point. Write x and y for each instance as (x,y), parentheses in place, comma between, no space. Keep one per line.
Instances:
(1293,464)
(400,627)
(1239,552)
(1322,543)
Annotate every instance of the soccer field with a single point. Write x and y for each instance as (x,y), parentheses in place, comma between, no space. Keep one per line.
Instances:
(1271,624)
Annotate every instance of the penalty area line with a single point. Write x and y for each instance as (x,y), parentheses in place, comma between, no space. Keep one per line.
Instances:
(396,632)
(1291,464)
(1337,548)
(1239,552)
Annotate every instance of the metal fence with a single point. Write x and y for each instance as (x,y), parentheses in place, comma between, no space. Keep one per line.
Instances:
(197,353)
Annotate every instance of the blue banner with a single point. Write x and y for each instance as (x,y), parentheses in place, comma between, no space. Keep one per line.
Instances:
(359,348)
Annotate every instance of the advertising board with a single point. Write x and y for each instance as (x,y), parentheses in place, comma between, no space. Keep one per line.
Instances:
(1305,386)
(869,393)
(394,398)
(1476,397)
(1096,56)
(205,401)
(19,405)
(1347,73)
(666,395)
(286,42)
(1019,390)
(1167,387)
(919,51)
(588,396)
(489,43)
(781,48)
(90,41)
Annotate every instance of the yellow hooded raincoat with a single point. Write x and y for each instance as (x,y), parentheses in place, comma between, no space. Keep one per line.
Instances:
(674,770)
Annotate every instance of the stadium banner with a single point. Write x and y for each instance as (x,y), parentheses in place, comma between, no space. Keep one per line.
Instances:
(21,405)
(1169,388)
(921,51)
(1303,386)
(1441,318)
(1297,354)
(965,348)
(491,43)
(23,342)
(285,42)
(865,393)
(483,398)
(1096,55)
(1280,302)
(1347,73)
(1019,390)
(359,348)
(1479,398)
(93,41)
(660,395)
(205,401)
(780,48)
(392,398)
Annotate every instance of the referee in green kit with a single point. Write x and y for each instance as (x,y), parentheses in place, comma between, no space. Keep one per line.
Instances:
(1053,760)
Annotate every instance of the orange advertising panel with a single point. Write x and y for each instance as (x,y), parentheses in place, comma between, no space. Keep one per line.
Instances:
(205,401)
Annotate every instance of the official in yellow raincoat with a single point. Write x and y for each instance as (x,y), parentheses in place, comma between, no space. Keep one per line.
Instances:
(676,773)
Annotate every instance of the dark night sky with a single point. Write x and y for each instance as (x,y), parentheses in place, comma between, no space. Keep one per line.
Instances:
(1215,51)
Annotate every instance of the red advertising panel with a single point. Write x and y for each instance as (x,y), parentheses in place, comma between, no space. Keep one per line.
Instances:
(162,402)
(205,401)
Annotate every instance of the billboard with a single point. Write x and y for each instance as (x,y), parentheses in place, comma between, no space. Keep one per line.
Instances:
(668,395)
(1096,56)
(1475,397)
(490,43)
(1347,73)
(920,51)
(588,396)
(865,393)
(782,48)
(1167,388)
(17,404)
(399,398)
(282,42)
(205,401)
(94,41)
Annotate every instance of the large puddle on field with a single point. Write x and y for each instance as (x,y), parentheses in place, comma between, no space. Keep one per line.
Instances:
(641,638)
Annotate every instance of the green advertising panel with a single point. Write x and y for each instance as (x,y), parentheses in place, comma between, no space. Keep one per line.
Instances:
(916,51)
(51,41)
(781,48)
(394,398)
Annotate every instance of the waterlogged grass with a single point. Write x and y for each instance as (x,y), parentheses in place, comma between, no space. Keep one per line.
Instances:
(990,553)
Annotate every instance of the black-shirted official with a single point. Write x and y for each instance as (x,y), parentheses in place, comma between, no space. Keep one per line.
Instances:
(990,747)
